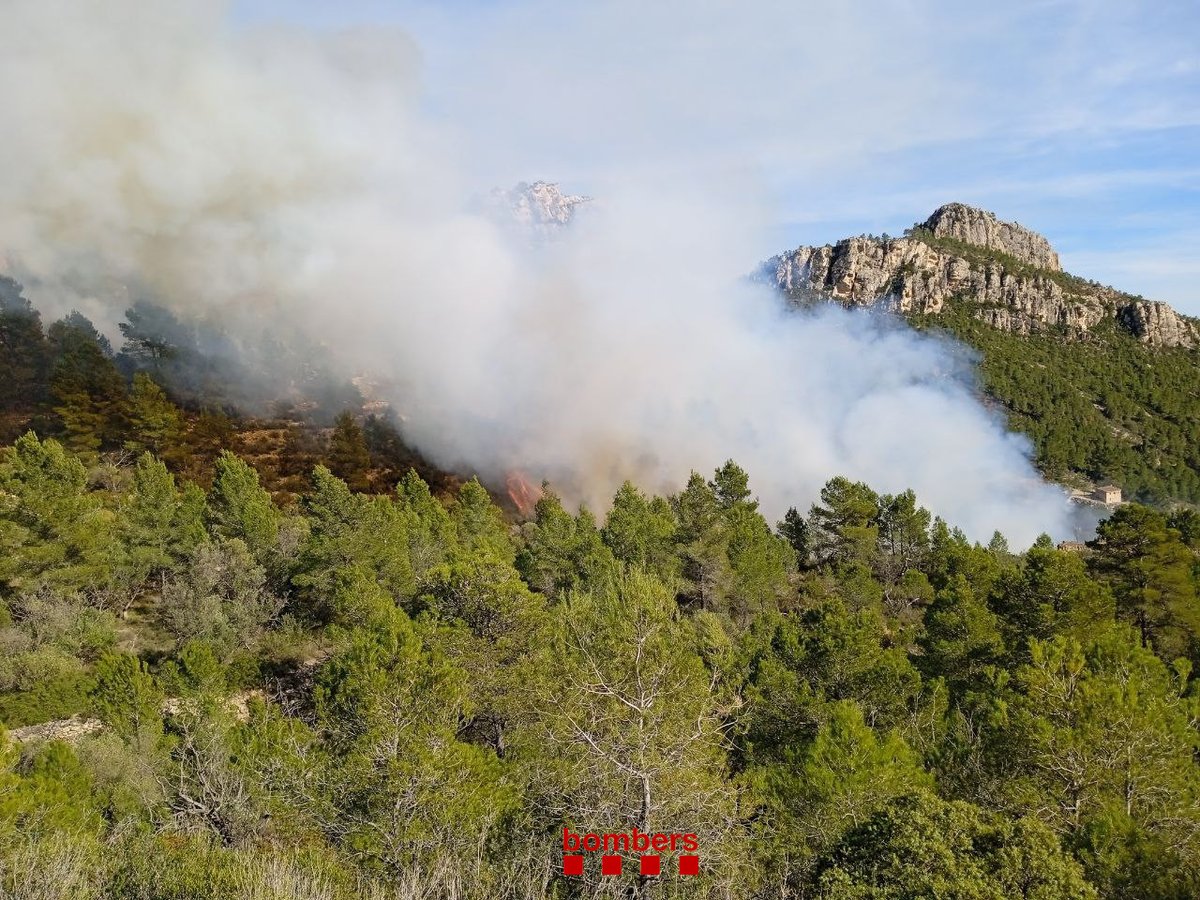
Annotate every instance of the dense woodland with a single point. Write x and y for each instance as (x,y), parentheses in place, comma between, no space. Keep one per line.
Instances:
(356,684)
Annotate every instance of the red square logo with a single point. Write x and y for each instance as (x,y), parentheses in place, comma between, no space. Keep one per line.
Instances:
(689,865)
(651,865)
(572,865)
(610,865)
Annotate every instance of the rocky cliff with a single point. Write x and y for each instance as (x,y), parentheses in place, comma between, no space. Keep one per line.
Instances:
(982,229)
(1010,275)
(540,208)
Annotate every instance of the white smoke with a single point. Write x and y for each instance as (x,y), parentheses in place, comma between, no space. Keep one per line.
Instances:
(150,148)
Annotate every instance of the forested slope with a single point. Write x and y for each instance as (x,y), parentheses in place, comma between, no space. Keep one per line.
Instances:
(406,695)
(1103,409)
(301,669)
(66,380)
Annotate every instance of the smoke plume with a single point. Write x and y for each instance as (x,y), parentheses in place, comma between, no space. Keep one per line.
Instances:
(251,176)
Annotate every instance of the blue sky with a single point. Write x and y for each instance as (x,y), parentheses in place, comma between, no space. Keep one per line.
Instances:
(1078,119)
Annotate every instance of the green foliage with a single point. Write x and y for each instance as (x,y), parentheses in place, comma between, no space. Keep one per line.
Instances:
(479,524)
(1052,594)
(128,699)
(924,847)
(732,562)
(88,391)
(221,597)
(349,457)
(835,782)
(58,693)
(432,537)
(407,788)
(564,551)
(161,524)
(800,665)
(844,526)
(629,724)
(239,508)
(24,356)
(795,531)
(640,531)
(962,635)
(52,530)
(1100,739)
(152,335)
(1151,573)
(156,424)
(352,532)
(373,695)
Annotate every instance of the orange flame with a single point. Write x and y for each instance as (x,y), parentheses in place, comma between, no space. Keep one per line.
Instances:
(522,493)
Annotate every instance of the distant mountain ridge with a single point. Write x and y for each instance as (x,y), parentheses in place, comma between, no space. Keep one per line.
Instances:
(1009,275)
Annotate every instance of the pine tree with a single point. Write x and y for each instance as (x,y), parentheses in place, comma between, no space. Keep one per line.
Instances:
(640,532)
(352,536)
(155,423)
(962,636)
(161,524)
(845,525)
(431,534)
(702,540)
(238,507)
(349,457)
(52,529)
(89,393)
(1149,569)
(563,551)
(129,700)
(24,354)
(819,790)
(920,846)
(480,524)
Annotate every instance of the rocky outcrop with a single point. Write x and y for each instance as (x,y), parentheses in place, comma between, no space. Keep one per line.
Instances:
(59,730)
(1010,276)
(541,207)
(982,229)
(1158,324)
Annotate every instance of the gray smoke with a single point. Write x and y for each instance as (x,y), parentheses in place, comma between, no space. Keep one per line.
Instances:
(278,175)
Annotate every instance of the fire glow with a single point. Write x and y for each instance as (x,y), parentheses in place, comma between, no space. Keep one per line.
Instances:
(523,494)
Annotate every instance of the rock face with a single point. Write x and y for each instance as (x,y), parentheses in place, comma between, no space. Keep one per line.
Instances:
(540,207)
(1157,323)
(1011,277)
(983,229)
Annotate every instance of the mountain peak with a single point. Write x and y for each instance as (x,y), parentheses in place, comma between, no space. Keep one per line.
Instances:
(1004,274)
(541,206)
(983,229)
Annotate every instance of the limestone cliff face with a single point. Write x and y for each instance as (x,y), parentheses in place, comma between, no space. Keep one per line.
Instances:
(983,229)
(1157,323)
(1011,276)
(541,208)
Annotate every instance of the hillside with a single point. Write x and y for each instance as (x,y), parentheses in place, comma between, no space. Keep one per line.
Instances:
(402,696)
(1106,384)
(261,656)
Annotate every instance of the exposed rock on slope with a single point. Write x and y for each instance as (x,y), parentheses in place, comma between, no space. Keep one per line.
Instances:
(1010,274)
(1157,323)
(983,229)
(540,207)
